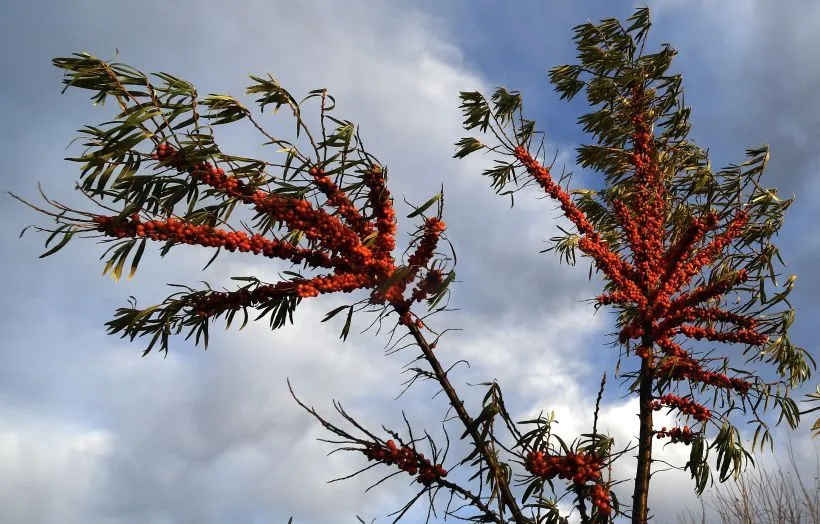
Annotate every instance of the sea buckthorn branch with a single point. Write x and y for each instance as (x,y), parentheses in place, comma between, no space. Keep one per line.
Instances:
(677,434)
(111,156)
(648,203)
(705,293)
(581,464)
(214,303)
(629,224)
(542,175)
(404,457)
(357,249)
(699,314)
(425,287)
(670,348)
(580,468)
(620,272)
(617,269)
(433,228)
(379,199)
(95,74)
(175,230)
(473,428)
(697,230)
(743,336)
(679,364)
(233,187)
(338,199)
(653,221)
(350,276)
(684,367)
(477,428)
(683,274)
(655,266)
(356,268)
(318,225)
(650,269)
(686,406)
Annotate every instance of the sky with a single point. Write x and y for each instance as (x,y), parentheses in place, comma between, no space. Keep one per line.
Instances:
(92,433)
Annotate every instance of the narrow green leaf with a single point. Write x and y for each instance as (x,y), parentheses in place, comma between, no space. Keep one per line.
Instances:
(425,206)
(137,258)
(333,313)
(117,273)
(59,246)
(466,146)
(346,328)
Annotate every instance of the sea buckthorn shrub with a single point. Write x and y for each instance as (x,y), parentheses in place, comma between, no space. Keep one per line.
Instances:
(671,239)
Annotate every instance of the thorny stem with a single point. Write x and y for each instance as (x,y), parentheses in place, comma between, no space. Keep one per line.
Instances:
(505,495)
(476,501)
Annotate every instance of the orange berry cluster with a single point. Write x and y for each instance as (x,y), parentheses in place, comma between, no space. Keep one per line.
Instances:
(337,199)
(698,314)
(542,175)
(698,227)
(683,272)
(684,405)
(660,274)
(686,368)
(656,274)
(579,467)
(618,270)
(317,225)
(648,209)
(631,227)
(407,460)
(643,351)
(599,496)
(704,293)
(676,434)
(341,244)
(168,155)
(187,233)
(433,279)
(671,349)
(379,200)
(746,336)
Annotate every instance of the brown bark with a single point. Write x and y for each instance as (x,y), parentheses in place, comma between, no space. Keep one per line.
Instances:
(640,496)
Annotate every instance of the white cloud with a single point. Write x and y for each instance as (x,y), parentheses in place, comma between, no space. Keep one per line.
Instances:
(50,467)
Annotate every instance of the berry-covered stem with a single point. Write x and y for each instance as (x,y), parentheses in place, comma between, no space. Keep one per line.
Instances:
(341,244)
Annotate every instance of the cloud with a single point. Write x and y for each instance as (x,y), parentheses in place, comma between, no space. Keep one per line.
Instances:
(92,433)
(51,467)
